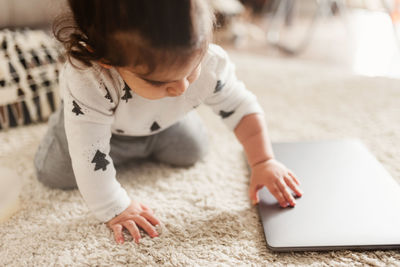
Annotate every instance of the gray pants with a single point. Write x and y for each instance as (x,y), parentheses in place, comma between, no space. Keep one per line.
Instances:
(182,144)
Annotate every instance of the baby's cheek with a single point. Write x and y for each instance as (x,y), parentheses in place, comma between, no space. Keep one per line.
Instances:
(191,80)
(155,93)
(194,76)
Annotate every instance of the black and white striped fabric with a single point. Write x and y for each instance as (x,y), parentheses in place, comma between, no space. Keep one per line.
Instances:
(29,67)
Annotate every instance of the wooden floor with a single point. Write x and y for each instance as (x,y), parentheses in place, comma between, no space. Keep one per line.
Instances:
(363,42)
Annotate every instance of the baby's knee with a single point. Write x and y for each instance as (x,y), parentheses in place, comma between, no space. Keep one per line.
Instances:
(191,150)
(55,182)
(199,149)
(184,152)
(51,178)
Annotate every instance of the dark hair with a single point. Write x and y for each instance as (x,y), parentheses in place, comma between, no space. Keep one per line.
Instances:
(135,32)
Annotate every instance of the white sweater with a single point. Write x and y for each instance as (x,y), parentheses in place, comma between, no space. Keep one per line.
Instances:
(97,103)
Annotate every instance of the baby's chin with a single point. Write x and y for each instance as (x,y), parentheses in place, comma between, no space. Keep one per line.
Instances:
(152,97)
(158,97)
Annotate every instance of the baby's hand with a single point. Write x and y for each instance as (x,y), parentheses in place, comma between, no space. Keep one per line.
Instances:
(276,177)
(136,213)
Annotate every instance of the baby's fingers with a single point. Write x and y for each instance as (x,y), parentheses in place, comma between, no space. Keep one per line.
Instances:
(117,229)
(144,207)
(279,196)
(150,217)
(147,227)
(289,198)
(133,229)
(293,185)
(291,174)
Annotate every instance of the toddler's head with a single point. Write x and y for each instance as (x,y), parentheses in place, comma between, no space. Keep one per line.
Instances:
(155,45)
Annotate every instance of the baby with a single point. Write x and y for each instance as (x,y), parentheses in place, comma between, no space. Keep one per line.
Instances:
(136,72)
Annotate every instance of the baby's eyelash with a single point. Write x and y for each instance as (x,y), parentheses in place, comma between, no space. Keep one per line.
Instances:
(155,83)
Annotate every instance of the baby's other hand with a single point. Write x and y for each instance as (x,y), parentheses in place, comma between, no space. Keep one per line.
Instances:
(276,177)
(136,213)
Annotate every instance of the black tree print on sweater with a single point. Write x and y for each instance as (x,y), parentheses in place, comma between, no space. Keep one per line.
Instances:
(100,161)
(77,109)
(127,94)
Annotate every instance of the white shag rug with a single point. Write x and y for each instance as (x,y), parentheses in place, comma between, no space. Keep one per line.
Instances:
(206,213)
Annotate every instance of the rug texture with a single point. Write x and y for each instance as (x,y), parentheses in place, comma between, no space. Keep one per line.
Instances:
(207,217)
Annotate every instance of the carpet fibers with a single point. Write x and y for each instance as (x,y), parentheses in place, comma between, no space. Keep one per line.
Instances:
(207,218)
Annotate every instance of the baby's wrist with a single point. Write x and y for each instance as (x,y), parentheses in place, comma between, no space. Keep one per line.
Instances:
(263,161)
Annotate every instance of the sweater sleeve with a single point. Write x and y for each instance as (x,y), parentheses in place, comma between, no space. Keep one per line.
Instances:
(89,100)
(229,97)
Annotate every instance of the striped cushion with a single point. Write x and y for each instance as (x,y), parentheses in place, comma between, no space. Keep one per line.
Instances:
(29,66)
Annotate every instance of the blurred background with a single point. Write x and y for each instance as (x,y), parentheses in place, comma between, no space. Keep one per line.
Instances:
(361,36)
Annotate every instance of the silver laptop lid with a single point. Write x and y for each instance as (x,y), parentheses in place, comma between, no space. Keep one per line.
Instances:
(350,201)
